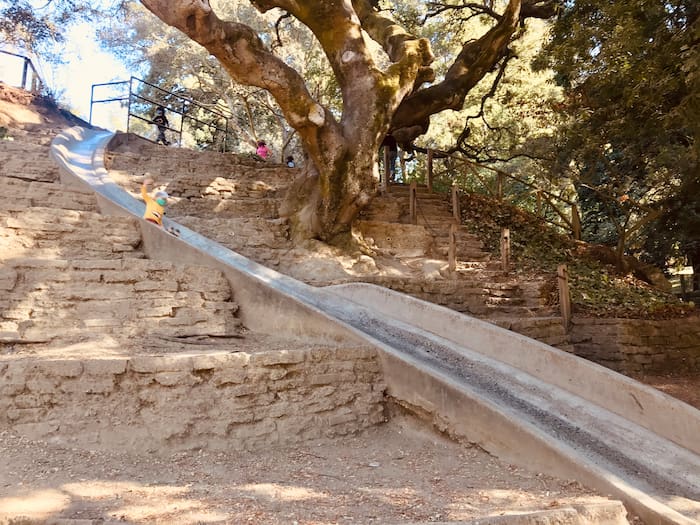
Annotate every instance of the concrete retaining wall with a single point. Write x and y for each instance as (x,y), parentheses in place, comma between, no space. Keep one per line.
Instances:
(219,400)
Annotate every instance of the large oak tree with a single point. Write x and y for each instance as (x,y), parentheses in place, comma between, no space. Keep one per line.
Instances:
(340,175)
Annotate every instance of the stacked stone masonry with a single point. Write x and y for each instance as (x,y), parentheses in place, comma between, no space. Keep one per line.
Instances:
(26,194)
(629,346)
(217,400)
(634,346)
(27,161)
(44,299)
(220,184)
(61,233)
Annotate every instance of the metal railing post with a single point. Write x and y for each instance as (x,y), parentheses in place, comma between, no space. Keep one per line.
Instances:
(92,97)
(25,69)
(128,114)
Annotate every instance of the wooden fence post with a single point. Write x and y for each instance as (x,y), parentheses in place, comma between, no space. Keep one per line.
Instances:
(575,222)
(383,178)
(452,249)
(456,212)
(499,186)
(412,196)
(429,175)
(564,296)
(505,250)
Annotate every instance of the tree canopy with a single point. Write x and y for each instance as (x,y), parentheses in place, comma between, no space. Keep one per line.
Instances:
(629,139)
(37,26)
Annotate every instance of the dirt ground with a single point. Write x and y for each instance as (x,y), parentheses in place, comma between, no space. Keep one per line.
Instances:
(684,387)
(397,473)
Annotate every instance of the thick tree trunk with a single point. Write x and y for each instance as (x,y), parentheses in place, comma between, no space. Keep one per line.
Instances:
(324,206)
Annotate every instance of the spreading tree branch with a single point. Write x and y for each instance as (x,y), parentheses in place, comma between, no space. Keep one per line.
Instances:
(474,61)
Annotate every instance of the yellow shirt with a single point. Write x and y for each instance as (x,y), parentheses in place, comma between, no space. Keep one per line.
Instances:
(154,211)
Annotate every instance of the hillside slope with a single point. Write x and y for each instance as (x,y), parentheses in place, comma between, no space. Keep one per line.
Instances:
(399,472)
(235,202)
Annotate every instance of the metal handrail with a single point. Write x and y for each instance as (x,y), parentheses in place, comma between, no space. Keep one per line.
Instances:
(36,84)
(181,106)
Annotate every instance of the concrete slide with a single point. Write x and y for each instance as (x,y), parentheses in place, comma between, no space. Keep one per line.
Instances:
(521,400)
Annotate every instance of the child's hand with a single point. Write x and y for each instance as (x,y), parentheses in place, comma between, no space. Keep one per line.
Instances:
(147,181)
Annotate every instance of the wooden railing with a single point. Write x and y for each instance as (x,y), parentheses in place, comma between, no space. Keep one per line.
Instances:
(497,188)
(493,181)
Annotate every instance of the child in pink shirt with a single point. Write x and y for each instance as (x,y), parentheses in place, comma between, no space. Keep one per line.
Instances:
(262,150)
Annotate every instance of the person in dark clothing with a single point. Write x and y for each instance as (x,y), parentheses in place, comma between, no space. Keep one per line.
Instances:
(161,121)
(389,143)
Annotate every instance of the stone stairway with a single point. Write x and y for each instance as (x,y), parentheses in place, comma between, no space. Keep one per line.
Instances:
(478,286)
(234,200)
(101,346)
(69,274)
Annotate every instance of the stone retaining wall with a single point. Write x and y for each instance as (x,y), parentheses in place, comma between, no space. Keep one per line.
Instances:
(468,297)
(48,298)
(635,346)
(548,330)
(216,401)
(50,232)
(629,346)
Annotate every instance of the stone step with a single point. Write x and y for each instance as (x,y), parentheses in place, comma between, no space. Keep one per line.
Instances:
(45,298)
(226,208)
(462,235)
(544,324)
(505,301)
(439,224)
(243,235)
(20,193)
(517,311)
(45,232)
(462,253)
(191,173)
(422,192)
(207,187)
(27,161)
(433,205)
